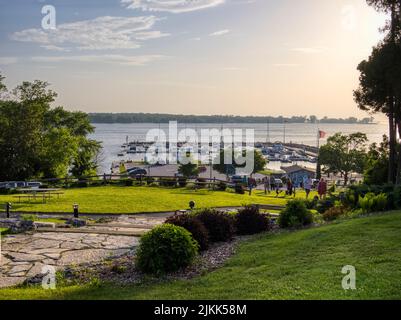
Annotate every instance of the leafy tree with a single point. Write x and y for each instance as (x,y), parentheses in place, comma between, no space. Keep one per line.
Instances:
(376,170)
(85,162)
(59,148)
(259,162)
(380,80)
(37,141)
(344,154)
(2,85)
(189,170)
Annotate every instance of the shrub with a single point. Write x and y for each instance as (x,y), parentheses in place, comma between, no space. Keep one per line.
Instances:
(295,215)
(96,183)
(325,204)
(250,221)
(168,182)
(150,180)
(366,202)
(221,186)
(166,248)
(220,226)
(129,183)
(201,183)
(239,189)
(29,217)
(371,202)
(380,202)
(182,182)
(194,226)
(359,190)
(8,191)
(334,213)
(396,197)
(311,203)
(79,184)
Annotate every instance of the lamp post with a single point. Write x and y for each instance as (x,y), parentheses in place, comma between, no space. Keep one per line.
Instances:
(76,210)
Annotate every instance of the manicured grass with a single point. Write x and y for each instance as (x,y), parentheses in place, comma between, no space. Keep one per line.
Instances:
(293,265)
(115,199)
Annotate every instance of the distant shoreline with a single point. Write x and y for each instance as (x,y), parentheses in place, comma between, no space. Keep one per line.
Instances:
(128,118)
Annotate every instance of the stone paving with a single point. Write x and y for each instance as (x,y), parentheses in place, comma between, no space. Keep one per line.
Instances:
(24,255)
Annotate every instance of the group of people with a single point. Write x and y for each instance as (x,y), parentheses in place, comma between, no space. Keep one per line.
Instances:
(307,185)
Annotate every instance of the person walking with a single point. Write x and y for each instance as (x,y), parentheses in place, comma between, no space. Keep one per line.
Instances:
(289,187)
(267,184)
(251,184)
(308,186)
(322,188)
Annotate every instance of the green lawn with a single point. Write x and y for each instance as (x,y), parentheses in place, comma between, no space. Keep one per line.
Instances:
(298,265)
(115,199)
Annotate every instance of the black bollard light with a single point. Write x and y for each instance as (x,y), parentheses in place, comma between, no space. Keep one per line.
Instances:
(191,205)
(76,210)
(8,209)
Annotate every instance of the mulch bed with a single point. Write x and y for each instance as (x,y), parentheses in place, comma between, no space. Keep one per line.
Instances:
(122,271)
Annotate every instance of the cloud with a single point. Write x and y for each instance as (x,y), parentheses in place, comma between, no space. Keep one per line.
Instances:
(219,33)
(8,60)
(114,59)
(310,50)
(98,34)
(173,6)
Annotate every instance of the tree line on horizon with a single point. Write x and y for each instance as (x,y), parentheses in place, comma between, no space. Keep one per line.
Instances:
(165,118)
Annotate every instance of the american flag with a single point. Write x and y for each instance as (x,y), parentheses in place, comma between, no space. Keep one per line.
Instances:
(322,134)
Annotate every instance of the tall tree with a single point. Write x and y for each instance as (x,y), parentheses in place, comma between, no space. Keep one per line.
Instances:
(380,80)
(189,170)
(259,162)
(2,85)
(344,154)
(37,141)
(376,169)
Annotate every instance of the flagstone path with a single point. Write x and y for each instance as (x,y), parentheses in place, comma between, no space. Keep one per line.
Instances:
(24,255)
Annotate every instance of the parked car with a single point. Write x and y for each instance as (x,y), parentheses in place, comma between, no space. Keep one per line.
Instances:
(34,185)
(137,172)
(19,184)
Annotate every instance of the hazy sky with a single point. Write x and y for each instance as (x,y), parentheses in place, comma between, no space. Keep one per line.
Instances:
(247,57)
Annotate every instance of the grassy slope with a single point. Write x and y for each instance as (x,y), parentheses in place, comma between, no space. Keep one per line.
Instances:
(114,199)
(299,265)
